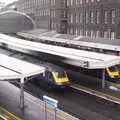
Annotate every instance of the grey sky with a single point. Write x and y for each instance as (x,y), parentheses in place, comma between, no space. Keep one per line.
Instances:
(7,1)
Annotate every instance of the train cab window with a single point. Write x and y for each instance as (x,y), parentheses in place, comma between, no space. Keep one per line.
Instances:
(115,68)
(60,74)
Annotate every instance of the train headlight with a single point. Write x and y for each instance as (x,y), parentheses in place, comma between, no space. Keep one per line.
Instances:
(112,77)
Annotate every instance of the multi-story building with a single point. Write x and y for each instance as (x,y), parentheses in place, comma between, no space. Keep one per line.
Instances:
(95,18)
(39,10)
(47,14)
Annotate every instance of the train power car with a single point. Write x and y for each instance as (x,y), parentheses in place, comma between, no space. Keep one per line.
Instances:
(112,74)
(53,79)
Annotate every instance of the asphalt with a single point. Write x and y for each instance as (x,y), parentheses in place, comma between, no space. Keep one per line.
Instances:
(34,108)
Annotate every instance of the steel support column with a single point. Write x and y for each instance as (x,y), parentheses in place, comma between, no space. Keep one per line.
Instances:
(103,78)
(22,93)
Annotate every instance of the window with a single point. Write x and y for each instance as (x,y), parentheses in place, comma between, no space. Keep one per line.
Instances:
(77,2)
(112,35)
(77,18)
(97,33)
(97,17)
(81,32)
(87,1)
(86,33)
(68,2)
(81,2)
(71,17)
(105,34)
(93,33)
(91,17)
(76,31)
(113,16)
(98,0)
(81,17)
(71,30)
(87,17)
(106,17)
(61,74)
(71,2)
(92,1)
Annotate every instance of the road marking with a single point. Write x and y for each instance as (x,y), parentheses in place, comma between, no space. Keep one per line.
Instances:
(6,111)
(96,93)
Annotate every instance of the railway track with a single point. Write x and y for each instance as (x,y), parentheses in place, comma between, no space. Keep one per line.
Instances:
(82,105)
(79,104)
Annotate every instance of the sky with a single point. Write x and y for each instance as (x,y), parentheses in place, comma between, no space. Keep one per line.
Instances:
(7,1)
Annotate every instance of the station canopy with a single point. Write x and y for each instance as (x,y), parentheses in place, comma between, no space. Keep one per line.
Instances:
(80,58)
(76,40)
(6,74)
(13,68)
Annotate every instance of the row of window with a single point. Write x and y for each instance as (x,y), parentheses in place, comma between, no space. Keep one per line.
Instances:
(92,17)
(92,33)
(43,12)
(40,1)
(77,2)
(33,3)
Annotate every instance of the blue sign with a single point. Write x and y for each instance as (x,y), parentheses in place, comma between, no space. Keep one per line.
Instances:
(50,101)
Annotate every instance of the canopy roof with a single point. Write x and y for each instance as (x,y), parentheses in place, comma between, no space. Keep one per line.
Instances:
(85,59)
(14,68)
(101,43)
(8,74)
(14,21)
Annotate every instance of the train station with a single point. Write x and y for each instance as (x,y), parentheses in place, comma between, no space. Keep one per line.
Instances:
(50,74)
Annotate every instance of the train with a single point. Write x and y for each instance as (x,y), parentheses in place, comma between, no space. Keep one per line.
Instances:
(54,76)
(112,74)
(51,79)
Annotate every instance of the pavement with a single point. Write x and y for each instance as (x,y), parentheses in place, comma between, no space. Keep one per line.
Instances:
(34,107)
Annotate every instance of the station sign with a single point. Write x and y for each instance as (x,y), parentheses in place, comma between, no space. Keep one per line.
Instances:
(50,101)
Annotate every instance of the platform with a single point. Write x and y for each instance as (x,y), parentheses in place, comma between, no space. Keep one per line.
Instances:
(34,107)
(92,86)
(81,58)
(41,35)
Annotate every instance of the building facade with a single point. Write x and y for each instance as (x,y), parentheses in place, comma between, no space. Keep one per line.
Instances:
(39,10)
(95,18)
(47,14)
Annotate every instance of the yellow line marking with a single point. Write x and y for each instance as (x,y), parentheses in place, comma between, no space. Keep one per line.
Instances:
(17,118)
(97,93)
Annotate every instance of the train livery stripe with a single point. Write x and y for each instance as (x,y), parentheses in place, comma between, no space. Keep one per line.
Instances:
(60,80)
